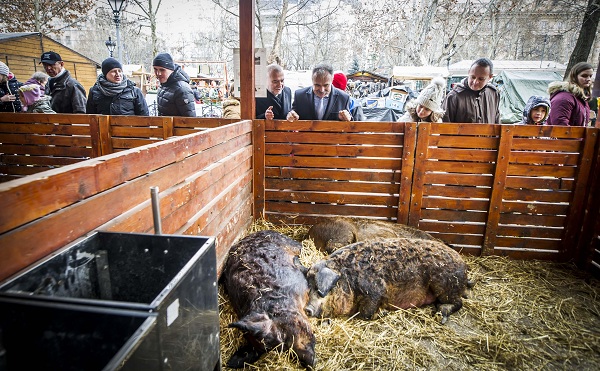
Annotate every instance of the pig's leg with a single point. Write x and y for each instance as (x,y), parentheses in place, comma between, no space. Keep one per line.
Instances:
(246,354)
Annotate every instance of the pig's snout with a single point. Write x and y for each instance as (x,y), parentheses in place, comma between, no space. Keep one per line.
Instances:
(310,310)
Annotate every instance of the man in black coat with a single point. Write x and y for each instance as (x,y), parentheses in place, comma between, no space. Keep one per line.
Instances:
(175,97)
(68,95)
(322,101)
(279,97)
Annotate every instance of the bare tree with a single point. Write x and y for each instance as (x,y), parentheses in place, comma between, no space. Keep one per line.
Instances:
(589,31)
(149,13)
(45,16)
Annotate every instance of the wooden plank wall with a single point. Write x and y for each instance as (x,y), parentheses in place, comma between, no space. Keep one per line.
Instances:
(204,179)
(509,190)
(35,142)
(321,168)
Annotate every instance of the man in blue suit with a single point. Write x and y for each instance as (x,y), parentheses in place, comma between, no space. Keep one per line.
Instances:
(279,97)
(322,101)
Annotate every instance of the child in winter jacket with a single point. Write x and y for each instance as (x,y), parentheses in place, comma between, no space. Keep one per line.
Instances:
(34,100)
(536,111)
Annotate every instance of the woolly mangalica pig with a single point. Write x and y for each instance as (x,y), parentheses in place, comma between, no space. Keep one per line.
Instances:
(387,273)
(329,234)
(267,289)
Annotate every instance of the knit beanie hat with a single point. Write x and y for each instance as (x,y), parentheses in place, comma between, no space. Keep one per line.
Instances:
(31,93)
(110,63)
(3,69)
(164,60)
(340,81)
(431,96)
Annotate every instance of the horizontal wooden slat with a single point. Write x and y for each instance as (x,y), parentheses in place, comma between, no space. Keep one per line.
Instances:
(535,207)
(528,243)
(458,154)
(335,126)
(34,150)
(330,197)
(135,132)
(329,209)
(544,158)
(539,183)
(465,129)
(542,170)
(459,167)
(489,143)
(37,160)
(56,140)
(538,220)
(330,174)
(335,162)
(452,215)
(458,179)
(329,150)
(313,185)
(454,203)
(23,128)
(329,138)
(530,231)
(457,191)
(536,195)
(564,145)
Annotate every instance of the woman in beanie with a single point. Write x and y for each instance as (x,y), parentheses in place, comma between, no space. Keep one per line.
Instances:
(570,98)
(427,106)
(9,90)
(175,97)
(114,94)
(34,100)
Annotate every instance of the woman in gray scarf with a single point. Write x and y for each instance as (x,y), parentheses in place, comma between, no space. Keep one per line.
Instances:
(114,94)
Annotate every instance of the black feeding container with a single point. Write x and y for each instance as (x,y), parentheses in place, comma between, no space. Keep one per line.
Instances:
(169,279)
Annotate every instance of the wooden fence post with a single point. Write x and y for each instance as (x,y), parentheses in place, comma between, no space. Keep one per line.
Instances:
(258,157)
(168,124)
(406,173)
(421,155)
(498,187)
(104,135)
(577,207)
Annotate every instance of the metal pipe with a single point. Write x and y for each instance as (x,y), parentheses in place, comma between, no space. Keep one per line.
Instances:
(155,210)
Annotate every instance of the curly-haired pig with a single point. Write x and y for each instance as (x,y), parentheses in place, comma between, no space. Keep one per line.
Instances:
(329,234)
(387,273)
(268,291)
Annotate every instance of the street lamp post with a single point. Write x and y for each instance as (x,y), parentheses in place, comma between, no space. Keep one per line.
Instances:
(117,7)
(110,45)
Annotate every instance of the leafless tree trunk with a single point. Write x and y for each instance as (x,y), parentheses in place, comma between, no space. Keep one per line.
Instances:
(589,30)
(150,14)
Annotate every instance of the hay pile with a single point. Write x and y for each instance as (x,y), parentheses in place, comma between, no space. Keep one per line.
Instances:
(519,315)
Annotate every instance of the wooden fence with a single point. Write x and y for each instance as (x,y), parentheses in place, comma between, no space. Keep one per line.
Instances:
(205,183)
(512,190)
(34,142)
(522,191)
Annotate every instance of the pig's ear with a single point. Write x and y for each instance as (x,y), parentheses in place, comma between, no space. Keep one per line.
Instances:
(299,265)
(256,324)
(326,278)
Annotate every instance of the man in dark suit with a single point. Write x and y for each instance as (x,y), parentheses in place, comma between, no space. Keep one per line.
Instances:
(322,101)
(279,97)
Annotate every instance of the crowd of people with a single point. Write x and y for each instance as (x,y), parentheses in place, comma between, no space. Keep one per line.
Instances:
(474,100)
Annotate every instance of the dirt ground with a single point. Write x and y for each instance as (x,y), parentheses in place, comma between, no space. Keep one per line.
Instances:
(521,315)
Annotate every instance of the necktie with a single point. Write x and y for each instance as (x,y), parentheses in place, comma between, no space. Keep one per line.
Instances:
(321,110)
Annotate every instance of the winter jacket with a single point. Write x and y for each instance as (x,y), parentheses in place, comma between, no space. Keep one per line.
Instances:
(465,105)
(129,102)
(175,97)
(411,115)
(68,96)
(569,105)
(42,105)
(10,87)
(232,109)
(534,102)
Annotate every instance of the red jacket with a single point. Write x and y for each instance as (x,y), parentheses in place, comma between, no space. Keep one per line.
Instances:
(568,105)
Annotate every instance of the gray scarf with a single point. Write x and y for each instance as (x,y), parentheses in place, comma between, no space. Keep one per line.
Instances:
(111,89)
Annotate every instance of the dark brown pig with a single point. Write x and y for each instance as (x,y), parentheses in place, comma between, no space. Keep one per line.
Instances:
(329,234)
(387,273)
(267,289)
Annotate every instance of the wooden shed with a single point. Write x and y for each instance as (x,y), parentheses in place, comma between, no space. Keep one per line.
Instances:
(21,52)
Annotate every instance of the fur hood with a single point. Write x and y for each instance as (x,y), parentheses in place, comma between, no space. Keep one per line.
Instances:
(558,86)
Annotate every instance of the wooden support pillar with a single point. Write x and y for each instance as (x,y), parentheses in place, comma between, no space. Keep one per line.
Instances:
(246,77)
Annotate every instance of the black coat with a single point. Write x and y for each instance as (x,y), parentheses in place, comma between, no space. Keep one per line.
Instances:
(129,102)
(10,87)
(175,97)
(68,96)
(280,111)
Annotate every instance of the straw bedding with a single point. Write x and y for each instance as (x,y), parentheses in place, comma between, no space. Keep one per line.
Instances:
(520,315)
